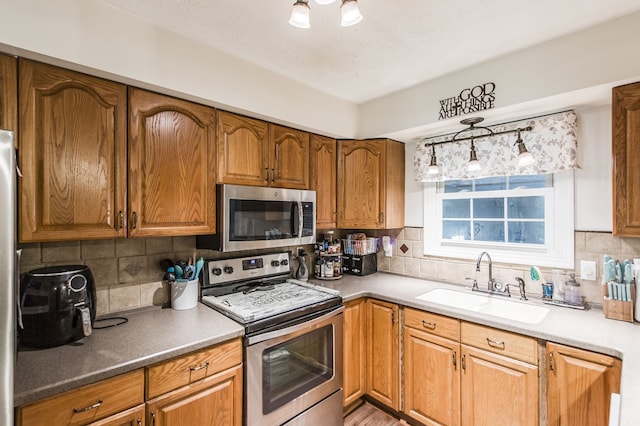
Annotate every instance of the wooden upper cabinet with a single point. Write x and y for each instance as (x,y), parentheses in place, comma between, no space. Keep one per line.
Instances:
(9,94)
(72,155)
(370,184)
(254,152)
(626,151)
(289,157)
(242,150)
(322,177)
(171,166)
(580,384)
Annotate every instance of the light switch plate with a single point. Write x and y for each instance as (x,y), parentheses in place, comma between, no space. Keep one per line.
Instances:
(587,270)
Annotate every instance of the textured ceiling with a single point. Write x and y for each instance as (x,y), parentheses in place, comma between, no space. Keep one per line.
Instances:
(398,44)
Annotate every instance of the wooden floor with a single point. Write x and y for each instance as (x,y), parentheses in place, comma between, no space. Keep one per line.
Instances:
(368,415)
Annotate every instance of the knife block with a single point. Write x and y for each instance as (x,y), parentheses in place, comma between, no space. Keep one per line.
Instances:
(618,309)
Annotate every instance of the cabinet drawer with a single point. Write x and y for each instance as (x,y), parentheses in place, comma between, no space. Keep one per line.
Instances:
(432,323)
(177,372)
(88,403)
(501,342)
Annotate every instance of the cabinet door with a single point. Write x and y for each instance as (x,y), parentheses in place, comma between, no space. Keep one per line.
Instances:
(361,187)
(72,155)
(431,388)
(214,401)
(354,348)
(580,384)
(323,180)
(242,150)
(497,390)
(289,151)
(171,166)
(382,352)
(131,417)
(9,94)
(626,151)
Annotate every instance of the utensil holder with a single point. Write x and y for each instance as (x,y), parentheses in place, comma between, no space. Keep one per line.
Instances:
(618,309)
(184,294)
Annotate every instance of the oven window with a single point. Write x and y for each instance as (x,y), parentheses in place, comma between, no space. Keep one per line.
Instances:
(296,366)
(256,220)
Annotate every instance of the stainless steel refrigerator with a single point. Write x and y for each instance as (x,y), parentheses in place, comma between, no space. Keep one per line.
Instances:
(8,274)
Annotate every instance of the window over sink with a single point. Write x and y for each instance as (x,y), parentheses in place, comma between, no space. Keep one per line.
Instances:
(522,219)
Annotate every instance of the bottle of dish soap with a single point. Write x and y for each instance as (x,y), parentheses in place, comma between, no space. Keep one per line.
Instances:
(572,291)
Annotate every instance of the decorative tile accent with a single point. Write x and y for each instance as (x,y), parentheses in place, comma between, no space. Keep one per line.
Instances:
(404,248)
(132,269)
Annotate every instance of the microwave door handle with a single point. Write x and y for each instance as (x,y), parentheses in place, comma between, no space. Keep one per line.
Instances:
(295,219)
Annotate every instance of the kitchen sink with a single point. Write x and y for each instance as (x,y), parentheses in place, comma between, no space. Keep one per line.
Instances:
(489,305)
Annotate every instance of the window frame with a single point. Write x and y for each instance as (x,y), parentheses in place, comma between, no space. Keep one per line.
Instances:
(559,248)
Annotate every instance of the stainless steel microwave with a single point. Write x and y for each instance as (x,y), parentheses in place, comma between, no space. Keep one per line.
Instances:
(252,217)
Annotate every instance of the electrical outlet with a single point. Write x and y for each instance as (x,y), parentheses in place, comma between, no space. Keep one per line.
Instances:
(587,270)
(298,249)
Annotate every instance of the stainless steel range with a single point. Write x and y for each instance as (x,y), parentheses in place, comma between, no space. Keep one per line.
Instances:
(293,339)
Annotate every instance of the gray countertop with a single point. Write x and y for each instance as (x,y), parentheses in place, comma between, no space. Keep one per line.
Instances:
(150,335)
(155,334)
(587,329)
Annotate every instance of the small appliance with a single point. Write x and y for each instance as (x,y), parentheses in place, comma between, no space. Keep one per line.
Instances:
(359,264)
(253,217)
(57,305)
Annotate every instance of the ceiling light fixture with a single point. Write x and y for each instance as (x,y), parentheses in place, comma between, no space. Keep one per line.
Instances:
(524,156)
(300,12)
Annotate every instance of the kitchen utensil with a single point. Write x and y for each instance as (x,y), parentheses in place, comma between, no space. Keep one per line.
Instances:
(169,276)
(199,265)
(179,272)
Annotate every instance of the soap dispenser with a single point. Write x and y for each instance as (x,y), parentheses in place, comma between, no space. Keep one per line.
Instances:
(302,273)
(572,291)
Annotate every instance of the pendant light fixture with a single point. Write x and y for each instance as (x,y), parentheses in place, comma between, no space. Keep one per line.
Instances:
(524,157)
(300,12)
(474,165)
(433,165)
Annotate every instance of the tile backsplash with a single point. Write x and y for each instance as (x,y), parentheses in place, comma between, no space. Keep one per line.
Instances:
(407,259)
(128,275)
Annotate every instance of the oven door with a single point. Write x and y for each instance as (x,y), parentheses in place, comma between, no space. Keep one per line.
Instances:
(291,370)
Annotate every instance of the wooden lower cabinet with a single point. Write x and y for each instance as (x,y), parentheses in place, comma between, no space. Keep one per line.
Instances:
(214,401)
(354,351)
(383,355)
(131,417)
(497,390)
(579,386)
(431,364)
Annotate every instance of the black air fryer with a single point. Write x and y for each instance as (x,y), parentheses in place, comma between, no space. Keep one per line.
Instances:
(57,304)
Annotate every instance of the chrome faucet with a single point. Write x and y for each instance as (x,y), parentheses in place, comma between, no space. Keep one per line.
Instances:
(491,282)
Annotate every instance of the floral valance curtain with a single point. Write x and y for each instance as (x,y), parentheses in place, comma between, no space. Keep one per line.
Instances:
(552,142)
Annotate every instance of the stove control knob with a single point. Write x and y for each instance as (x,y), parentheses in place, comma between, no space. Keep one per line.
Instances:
(216,271)
(275,263)
(284,262)
(228,269)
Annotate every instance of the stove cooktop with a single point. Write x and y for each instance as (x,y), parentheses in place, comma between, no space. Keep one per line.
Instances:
(267,301)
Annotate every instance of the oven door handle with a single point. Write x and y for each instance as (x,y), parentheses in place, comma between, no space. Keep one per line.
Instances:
(314,323)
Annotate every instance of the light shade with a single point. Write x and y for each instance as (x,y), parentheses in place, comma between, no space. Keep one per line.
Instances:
(350,13)
(323,2)
(524,157)
(433,169)
(300,14)
(473,165)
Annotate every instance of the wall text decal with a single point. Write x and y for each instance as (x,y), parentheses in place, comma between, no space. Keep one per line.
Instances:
(469,100)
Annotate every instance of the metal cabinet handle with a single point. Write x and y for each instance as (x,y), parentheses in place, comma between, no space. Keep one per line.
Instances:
(551,366)
(121,220)
(266,169)
(455,360)
(273,175)
(139,422)
(153,418)
(495,344)
(429,325)
(463,363)
(90,407)
(135,220)
(200,367)
(381,217)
